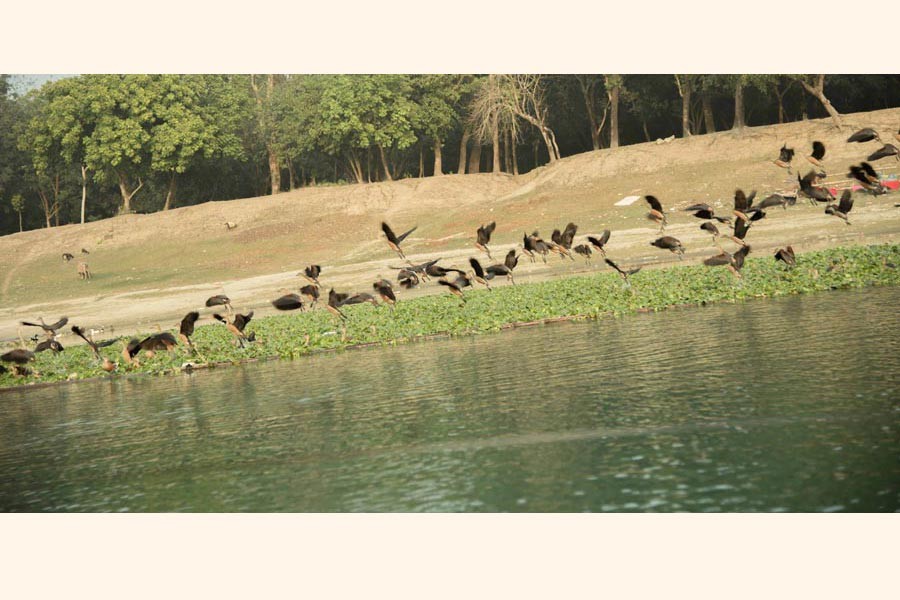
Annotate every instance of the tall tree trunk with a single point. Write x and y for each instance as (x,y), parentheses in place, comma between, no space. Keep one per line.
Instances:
(708,119)
(170,194)
(438,168)
(421,160)
(475,158)
(507,164)
(592,115)
(463,146)
(686,111)
(738,105)
(513,158)
(818,92)
(291,179)
(614,118)
(274,170)
(127,195)
(495,142)
(355,167)
(20,221)
(646,133)
(56,200)
(45,205)
(384,163)
(83,190)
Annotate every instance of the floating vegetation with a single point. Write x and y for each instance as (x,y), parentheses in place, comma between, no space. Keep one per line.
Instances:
(589,296)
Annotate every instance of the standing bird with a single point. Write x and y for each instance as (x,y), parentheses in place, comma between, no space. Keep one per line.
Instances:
(186,328)
(785,157)
(312,292)
(734,262)
(288,302)
(219,300)
(667,242)
(818,153)
(884,152)
(394,240)
(386,291)
(484,237)
(841,209)
(625,273)
(312,273)
(600,242)
(656,212)
(477,273)
(786,255)
(864,135)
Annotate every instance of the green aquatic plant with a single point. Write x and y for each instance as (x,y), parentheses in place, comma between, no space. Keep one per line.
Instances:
(588,296)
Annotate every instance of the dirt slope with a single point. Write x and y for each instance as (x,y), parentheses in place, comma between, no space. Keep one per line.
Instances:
(154,268)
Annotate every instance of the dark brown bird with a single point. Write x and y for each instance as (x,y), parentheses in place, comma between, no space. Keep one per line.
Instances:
(393,240)
(741,228)
(186,327)
(335,300)
(706,212)
(562,241)
(785,157)
(19,357)
(456,287)
(625,273)
(667,242)
(743,203)
(867,177)
(807,189)
(84,251)
(841,209)
(864,135)
(774,200)
(884,152)
(386,291)
(584,250)
(434,270)
(288,302)
(533,244)
(49,330)
(421,269)
(786,255)
(734,262)
(511,260)
(656,212)
(219,300)
(477,273)
(818,153)
(600,242)
(360,298)
(106,364)
(237,326)
(312,273)
(484,237)
(407,279)
(49,345)
(499,271)
(311,291)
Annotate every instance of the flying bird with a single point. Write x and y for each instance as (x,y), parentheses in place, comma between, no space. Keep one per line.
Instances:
(19,357)
(669,243)
(312,273)
(867,177)
(484,237)
(49,330)
(884,152)
(288,302)
(311,291)
(866,134)
(807,189)
(219,300)
(841,209)
(600,242)
(625,273)
(785,156)
(584,250)
(786,255)
(106,364)
(734,262)
(775,200)
(743,203)
(656,212)
(477,273)
(393,240)
(386,291)
(818,153)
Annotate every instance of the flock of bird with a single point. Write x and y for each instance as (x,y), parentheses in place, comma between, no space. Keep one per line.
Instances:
(562,243)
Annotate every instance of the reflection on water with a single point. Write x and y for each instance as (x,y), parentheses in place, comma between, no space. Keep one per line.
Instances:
(780,405)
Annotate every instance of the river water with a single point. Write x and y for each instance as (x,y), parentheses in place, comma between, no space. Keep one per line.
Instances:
(790,404)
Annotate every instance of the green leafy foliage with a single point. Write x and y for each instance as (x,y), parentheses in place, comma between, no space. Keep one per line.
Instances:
(592,296)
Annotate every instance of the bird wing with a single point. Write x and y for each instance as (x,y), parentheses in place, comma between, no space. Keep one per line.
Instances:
(476,266)
(654,203)
(739,256)
(30,324)
(846,202)
(611,263)
(870,171)
(886,150)
(403,237)
(710,228)
(818,152)
(863,135)
(740,228)
(58,324)
(786,154)
(718,260)
(740,200)
(699,206)
(511,260)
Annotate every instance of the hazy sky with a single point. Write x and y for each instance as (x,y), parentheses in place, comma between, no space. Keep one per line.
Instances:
(23,83)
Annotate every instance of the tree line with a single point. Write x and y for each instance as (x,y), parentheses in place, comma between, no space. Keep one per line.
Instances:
(92,146)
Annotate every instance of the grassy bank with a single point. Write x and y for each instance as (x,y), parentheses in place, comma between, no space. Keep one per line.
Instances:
(589,296)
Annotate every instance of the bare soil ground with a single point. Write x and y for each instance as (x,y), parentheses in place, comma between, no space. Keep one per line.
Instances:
(151,269)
